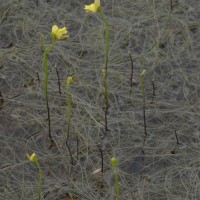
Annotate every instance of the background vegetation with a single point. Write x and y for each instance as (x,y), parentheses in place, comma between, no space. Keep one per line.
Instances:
(163,38)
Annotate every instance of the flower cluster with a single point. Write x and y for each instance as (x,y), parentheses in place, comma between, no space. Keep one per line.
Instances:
(59,33)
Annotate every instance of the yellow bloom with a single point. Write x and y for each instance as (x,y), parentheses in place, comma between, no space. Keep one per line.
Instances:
(69,80)
(94,7)
(143,72)
(114,162)
(32,157)
(59,33)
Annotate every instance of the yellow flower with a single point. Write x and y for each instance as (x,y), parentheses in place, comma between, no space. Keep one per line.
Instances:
(59,33)
(94,7)
(69,80)
(114,162)
(32,157)
(143,72)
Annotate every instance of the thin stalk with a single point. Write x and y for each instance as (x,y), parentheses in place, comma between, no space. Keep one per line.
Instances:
(106,98)
(40,180)
(59,85)
(46,70)
(102,160)
(107,40)
(154,88)
(77,145)
(131,78)
(117,184)
(143,100)
(68,112)
(1,99)
(70,153)
(177,140)
(106,69)
(114,165)
(38,77)
(68,83)
(34,159)
(171,5)
(45,61)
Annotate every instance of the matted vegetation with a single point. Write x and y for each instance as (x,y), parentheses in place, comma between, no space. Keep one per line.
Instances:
(160,37)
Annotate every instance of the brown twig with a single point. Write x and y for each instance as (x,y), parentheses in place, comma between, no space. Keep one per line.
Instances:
(102,160)
(154,88)
(53,144)
(171,5)
(77,145)
(177,141)
(131,59)
(38,77)
(1,99)
(70,153)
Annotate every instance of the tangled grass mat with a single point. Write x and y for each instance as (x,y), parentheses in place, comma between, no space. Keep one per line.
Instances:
(160,36)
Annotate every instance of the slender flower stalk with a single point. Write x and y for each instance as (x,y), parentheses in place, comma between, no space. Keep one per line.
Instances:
(96,8)
(106,38)
(34,159)
(131,78)
(59,85)
(56,34)
(114,163)
(102,160)
(106,67)
(68,84)
(143,99)
(46,72)
(69,106)
(106,98)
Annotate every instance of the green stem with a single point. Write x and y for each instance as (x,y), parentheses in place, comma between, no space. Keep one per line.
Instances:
(106,68)
(46,70)
(117,184)
(69,106)
(40,180)
(106,99)
(107,40)
(68,111)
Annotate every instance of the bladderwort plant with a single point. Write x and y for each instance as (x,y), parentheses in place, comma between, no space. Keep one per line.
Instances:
(143,99)
(56,34)
(34,159)
(114,163)
(96,8)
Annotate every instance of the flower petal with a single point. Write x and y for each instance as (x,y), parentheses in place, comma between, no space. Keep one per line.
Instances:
(97,3)
(54,28)
(32,157)
(91,8)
